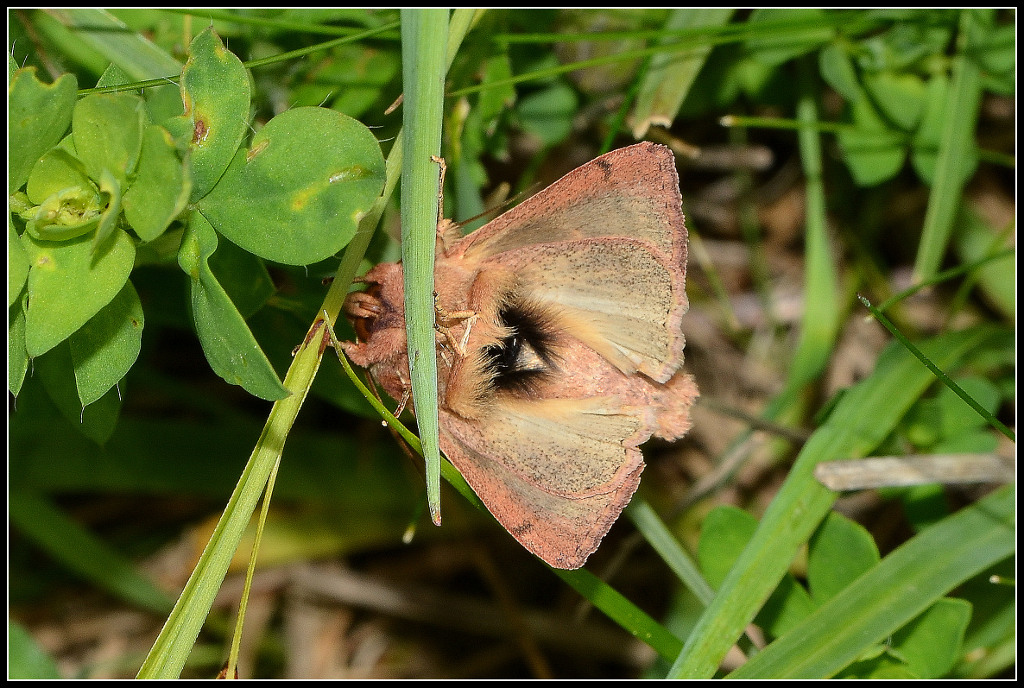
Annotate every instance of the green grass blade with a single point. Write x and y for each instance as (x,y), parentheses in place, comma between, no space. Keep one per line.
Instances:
(38,519)
(877,603)
(864,416)
(957,151)
(424,52)
(820,324)
(946,380)
(622,611)
(669,77)
(102,32)
(668,548)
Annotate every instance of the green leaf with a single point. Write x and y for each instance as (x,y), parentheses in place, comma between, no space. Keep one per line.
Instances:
(38,116)
(997,279)
(901,97)
(68,284)
(244,277)
(17,263)
(57,372)
(548,113)
(229,345)
(931,643)
(297,194)
(839,551)
(723,535)
(17,357)
(56,171)
(216,92)
(107,130)
(873,151)
(838,71)
(25,659)
(161,190)
(106,347)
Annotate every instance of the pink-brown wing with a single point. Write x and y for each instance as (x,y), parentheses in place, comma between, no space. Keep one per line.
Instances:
(555,479)
(629,192)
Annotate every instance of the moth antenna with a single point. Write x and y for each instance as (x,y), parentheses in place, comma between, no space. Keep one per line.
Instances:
(493,210)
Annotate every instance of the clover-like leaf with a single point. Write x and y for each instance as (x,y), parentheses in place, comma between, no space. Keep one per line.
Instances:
(229,345)
(38,115)
(297,194)
(68,284)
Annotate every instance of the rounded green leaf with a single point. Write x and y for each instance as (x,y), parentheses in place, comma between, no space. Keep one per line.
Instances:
(229,345)
(107,131)
(548,114)
(38,115)
(839,551)
(161,189)
(68,284)
(900,96)
(216,93)
(96,421)
(837,69)
(297,194)
(106,347)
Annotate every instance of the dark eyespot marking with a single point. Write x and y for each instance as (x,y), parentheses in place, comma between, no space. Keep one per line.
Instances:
(521,359)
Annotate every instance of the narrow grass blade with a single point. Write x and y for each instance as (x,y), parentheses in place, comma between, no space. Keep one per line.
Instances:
(424,51)
(957,151)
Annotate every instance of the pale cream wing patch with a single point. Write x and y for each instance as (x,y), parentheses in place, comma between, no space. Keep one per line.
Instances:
(618,296)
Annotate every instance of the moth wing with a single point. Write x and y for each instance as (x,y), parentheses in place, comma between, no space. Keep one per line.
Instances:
(606,247)
(621,297)
(555,473)
(629,192)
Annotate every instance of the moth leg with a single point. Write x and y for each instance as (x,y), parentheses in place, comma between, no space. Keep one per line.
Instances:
(359,304)
(401,403)
(445,319)
(465,336)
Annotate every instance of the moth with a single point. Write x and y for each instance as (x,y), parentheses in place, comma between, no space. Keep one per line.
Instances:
(559,347)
